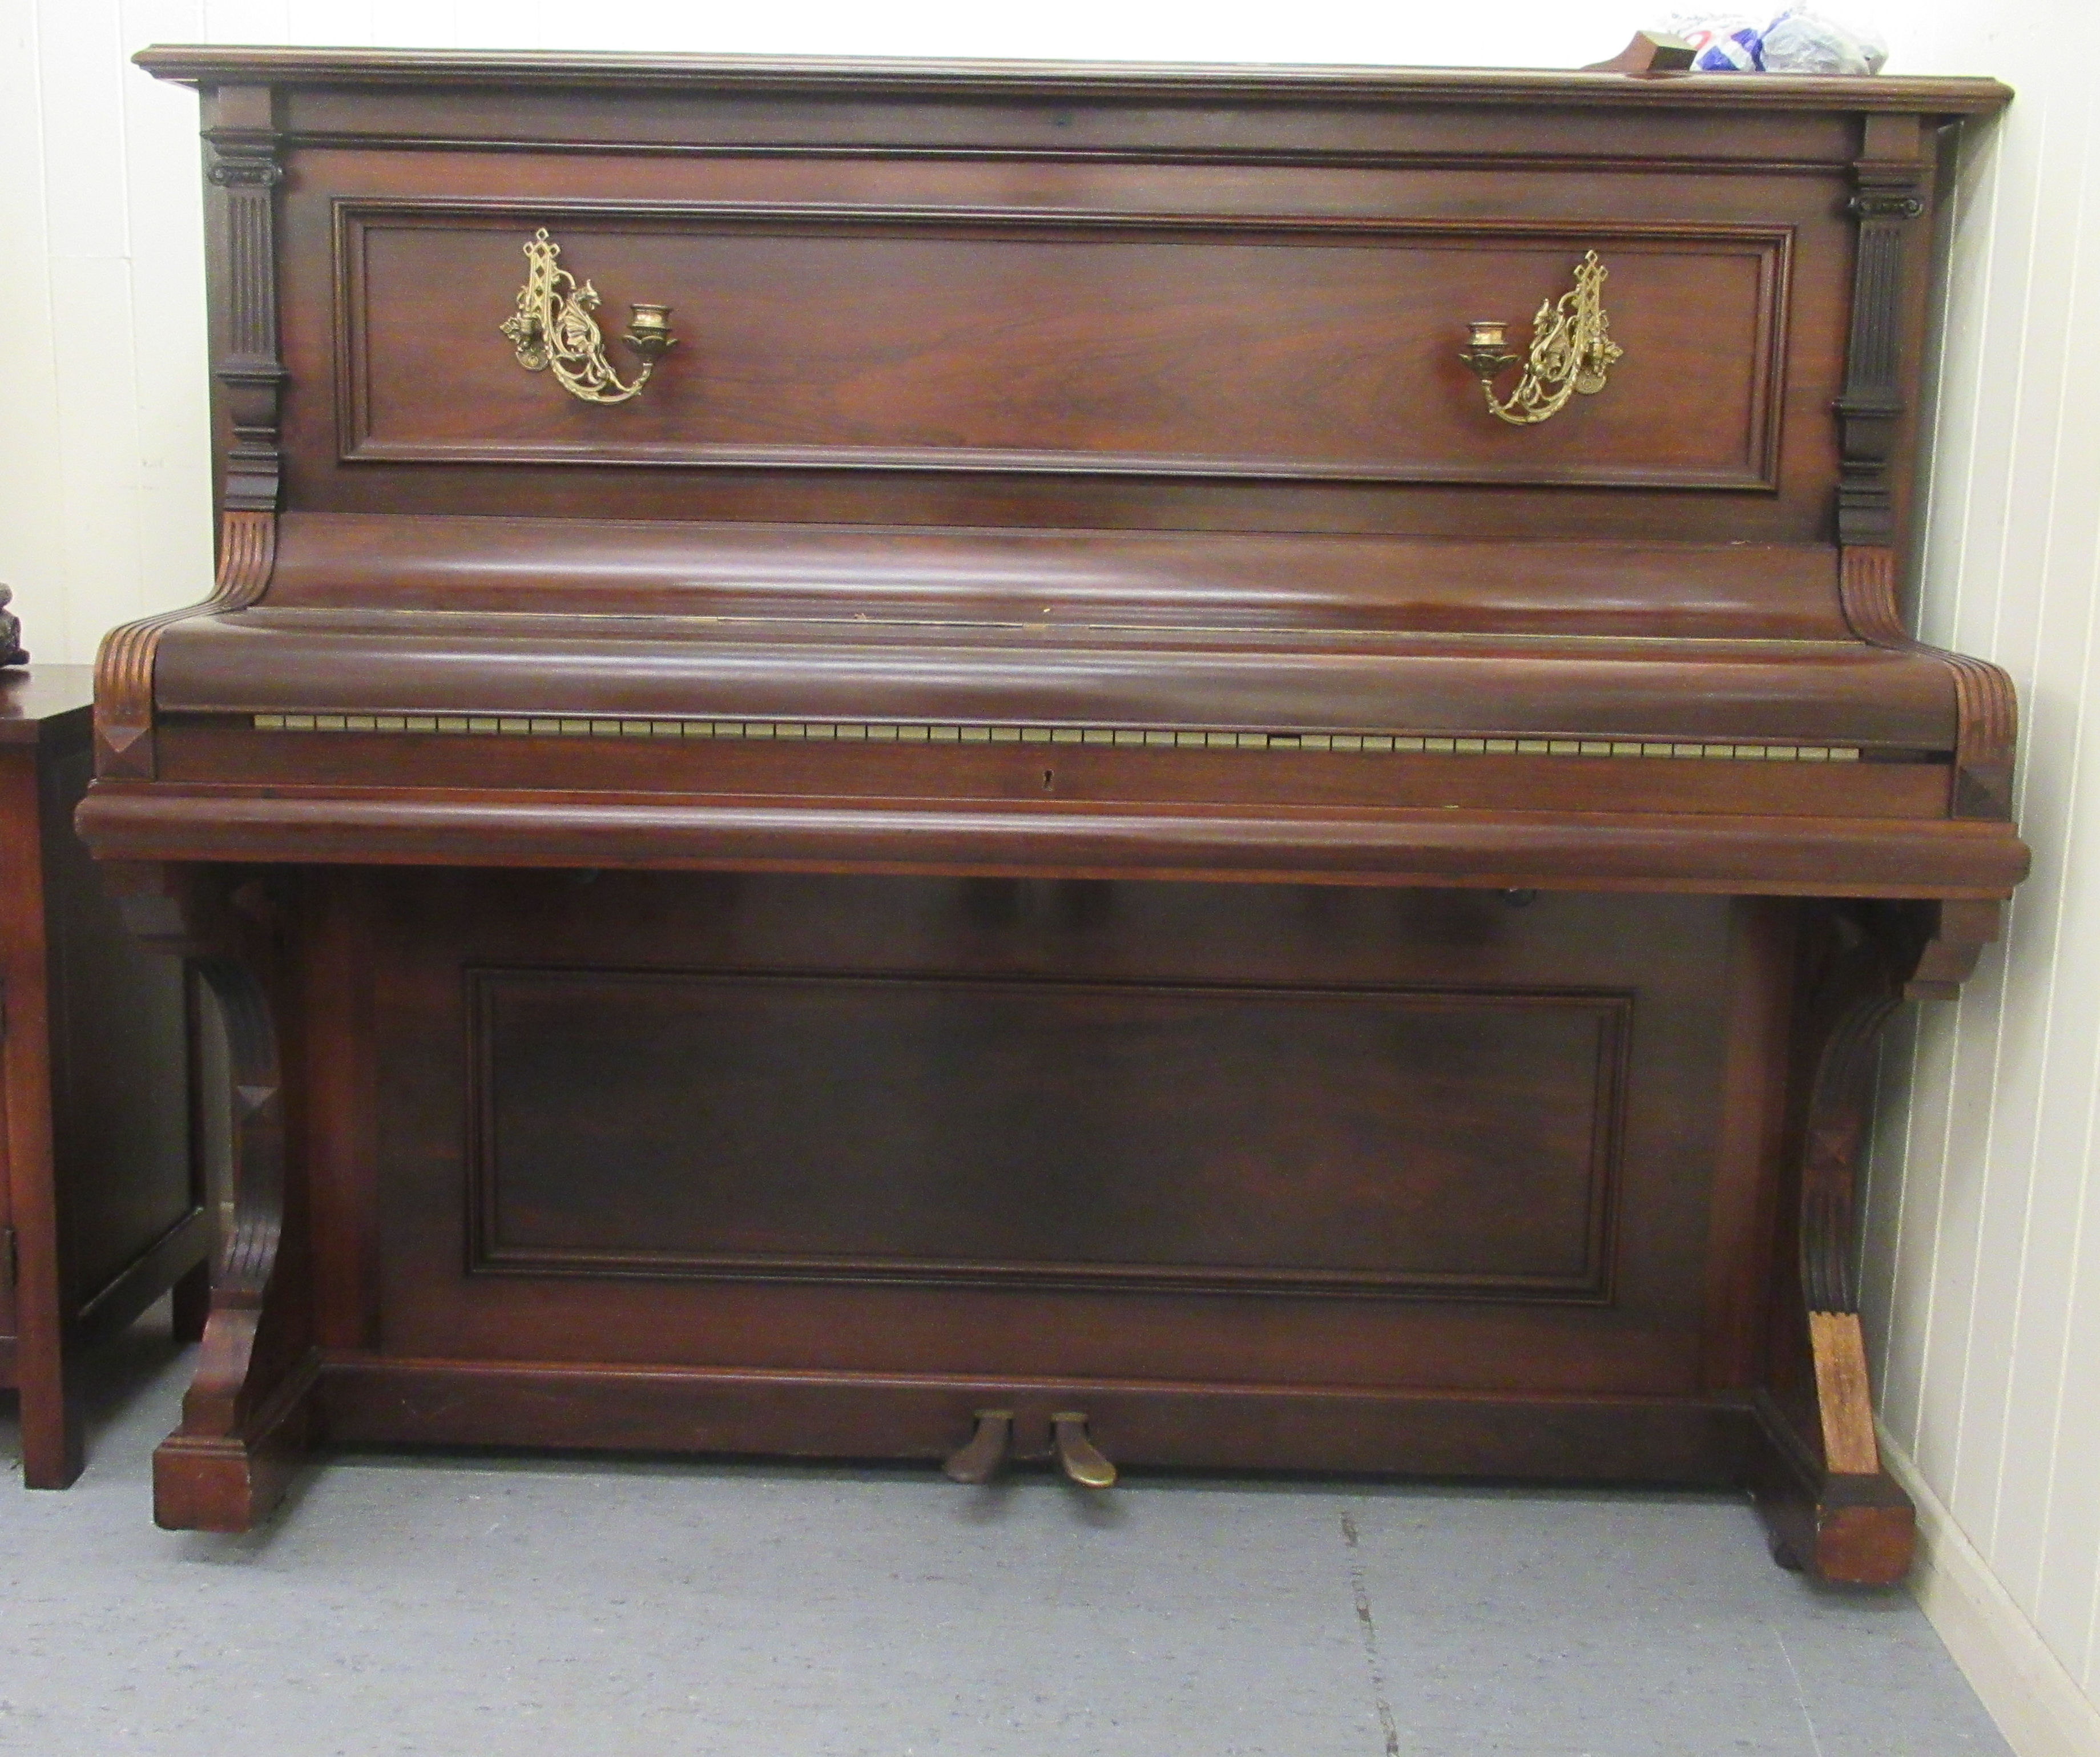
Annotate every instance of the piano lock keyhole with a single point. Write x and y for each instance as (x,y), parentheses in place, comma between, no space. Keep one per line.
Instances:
(1048,780)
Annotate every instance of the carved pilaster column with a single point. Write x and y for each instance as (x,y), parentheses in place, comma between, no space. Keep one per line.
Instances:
(243,164)
(1891,177)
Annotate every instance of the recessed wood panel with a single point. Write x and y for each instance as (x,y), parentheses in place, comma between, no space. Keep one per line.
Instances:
(1245,1137)
(522,1012)
(842,338)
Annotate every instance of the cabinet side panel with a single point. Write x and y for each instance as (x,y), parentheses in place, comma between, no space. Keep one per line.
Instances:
(121,1063)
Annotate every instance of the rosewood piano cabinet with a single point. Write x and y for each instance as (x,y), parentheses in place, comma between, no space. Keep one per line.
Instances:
(101,1208)
(1150,766)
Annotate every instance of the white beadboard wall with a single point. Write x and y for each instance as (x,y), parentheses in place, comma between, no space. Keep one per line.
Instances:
(1983,1235)
(1983,1247)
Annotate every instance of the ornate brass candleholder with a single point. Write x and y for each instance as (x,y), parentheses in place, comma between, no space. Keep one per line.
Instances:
(553,329)
(1572,350)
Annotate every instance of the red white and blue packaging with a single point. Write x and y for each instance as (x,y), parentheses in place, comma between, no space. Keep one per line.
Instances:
(1799,40)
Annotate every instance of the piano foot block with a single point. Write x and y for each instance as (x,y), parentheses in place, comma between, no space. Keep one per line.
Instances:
(233,1482)
(1848,1527)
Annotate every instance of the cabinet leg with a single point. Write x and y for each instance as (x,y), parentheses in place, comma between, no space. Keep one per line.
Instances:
(53,1450)
(190,1300)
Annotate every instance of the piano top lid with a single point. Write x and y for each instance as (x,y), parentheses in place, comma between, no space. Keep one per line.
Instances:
(210,65)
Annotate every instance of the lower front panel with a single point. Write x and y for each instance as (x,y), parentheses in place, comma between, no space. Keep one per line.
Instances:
(1286,1175)
(1037,1132)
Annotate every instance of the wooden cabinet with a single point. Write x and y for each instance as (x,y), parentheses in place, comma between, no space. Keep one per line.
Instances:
(100,1199)
(1058,832)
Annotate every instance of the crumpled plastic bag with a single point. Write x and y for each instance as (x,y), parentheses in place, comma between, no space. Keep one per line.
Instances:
(1798,40)
(1725,42)
(1804,40)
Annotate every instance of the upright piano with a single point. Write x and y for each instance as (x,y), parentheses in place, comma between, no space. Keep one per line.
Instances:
(1124,766)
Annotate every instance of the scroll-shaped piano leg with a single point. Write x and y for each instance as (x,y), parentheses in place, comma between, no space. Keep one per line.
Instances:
(249,1412)
(1830,1507)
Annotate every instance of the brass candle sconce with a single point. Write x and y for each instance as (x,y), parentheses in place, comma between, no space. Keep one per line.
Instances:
(1571,351)
(553,329)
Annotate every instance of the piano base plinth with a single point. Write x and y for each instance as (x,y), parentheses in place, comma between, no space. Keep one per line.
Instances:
(1846,1529)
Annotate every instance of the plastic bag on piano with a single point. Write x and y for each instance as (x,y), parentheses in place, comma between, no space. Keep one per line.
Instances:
(1799,40)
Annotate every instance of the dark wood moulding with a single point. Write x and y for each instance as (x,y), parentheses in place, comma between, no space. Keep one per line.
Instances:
(299,69)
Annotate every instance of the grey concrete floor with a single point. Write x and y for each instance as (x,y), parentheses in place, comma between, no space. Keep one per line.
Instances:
(466,1605)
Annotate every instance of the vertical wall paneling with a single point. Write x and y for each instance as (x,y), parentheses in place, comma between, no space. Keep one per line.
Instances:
(81,65)
(32,539)
(2061,541)
(165,220)
(1982,1262)
(271,21)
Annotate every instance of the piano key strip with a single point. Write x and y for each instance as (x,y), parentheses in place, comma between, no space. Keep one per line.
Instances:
(881,732)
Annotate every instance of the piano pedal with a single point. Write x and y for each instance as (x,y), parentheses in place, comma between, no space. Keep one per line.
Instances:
(1078,1456)
(982,1456)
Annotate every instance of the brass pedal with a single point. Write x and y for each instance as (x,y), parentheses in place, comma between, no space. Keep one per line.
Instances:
(979,1459)
(1076,1455)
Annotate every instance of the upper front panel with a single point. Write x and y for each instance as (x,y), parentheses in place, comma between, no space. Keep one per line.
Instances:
(1531,347)
(1020,342)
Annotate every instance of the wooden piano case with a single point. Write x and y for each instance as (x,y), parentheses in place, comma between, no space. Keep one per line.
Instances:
(1092,799)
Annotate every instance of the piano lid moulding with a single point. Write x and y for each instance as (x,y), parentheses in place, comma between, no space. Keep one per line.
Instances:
(1187,767)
